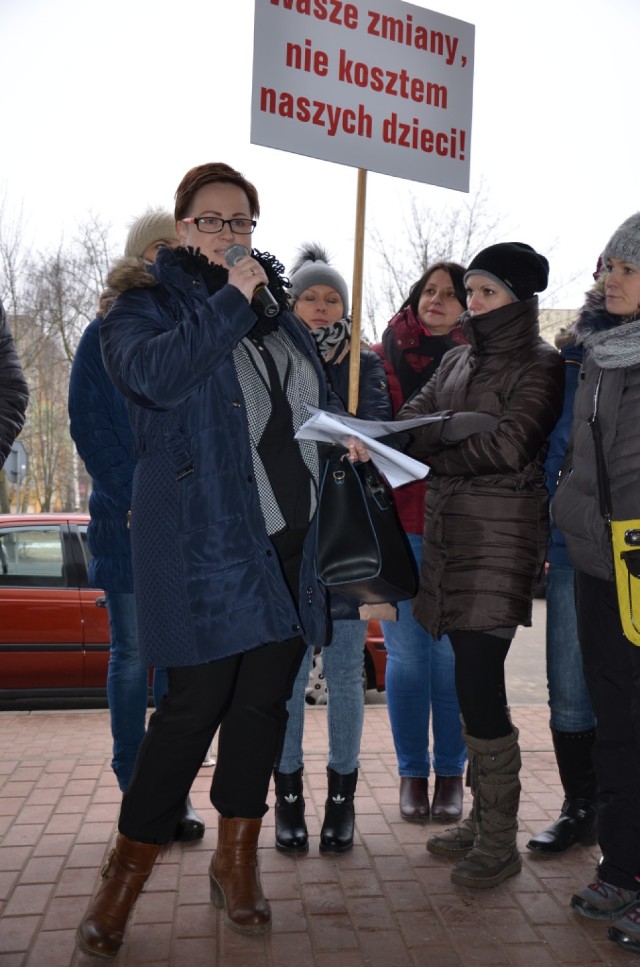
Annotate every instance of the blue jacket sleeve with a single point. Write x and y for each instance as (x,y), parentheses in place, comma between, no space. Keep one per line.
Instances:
(99,424)
(157,360)
(374,401)
(559,437)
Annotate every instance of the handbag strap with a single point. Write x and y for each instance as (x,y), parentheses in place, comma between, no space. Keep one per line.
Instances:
(604,489)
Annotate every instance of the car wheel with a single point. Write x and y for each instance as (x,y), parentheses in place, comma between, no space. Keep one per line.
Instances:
(316,690)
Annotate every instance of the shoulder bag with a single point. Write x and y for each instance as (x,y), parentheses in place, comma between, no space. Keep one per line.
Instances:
(625,538)
(361,550)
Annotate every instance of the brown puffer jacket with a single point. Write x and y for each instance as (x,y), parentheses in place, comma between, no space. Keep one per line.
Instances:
(486,512)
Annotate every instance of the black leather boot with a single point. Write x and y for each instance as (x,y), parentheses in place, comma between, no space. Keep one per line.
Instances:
(190,826)
(291,828)
(577,822)
(336,835)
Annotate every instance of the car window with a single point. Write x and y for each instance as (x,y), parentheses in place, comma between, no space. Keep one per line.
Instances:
(88,556)
(31,557)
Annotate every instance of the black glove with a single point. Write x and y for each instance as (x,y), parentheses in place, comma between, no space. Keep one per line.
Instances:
(397,441)
(462,425)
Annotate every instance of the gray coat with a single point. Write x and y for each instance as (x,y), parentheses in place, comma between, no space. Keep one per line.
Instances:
(613,349)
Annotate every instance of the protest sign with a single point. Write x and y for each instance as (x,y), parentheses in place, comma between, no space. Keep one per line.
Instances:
(381,85)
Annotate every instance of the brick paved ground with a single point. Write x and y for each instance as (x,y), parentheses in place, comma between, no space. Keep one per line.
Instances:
(388,903)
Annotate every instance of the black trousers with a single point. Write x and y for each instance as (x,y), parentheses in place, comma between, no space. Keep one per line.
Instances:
(480,684)
(612,673)
(245,696)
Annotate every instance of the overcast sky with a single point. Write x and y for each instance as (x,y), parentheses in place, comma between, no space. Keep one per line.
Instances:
(105,106)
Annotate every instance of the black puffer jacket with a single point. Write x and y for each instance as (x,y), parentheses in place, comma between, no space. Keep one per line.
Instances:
(486,511)
(14,393)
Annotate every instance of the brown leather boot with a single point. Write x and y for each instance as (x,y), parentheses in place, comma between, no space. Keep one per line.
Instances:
(447,799)
(123,876)
(414,798)
(234,877)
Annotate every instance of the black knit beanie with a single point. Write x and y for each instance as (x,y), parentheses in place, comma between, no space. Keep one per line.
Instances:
(515,266)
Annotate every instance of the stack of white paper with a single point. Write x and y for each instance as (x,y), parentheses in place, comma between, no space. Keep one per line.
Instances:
(337,427)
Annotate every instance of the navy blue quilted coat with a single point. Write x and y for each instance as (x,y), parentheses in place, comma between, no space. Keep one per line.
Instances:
(208,582)
(100,428)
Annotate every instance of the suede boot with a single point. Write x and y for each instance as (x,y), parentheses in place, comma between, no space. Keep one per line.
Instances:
(336,835)
(496,785)
(578,817)
(123,876)
(291,829)
(454,842)
(234,877)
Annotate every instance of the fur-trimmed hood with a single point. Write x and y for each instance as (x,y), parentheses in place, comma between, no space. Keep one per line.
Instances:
(593,316)
(566,336)
(127,273)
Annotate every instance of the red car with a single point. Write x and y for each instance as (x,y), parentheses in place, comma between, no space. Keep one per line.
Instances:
(54,629)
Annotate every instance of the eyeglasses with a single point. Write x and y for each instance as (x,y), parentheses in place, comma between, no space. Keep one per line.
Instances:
(211,224)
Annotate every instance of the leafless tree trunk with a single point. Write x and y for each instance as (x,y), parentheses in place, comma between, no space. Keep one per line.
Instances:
(50,298)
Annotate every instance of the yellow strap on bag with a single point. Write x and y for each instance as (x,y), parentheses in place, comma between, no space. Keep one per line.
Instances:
(625,541)
(625,536)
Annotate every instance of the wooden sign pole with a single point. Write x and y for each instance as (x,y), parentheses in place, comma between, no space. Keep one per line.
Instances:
(356,312)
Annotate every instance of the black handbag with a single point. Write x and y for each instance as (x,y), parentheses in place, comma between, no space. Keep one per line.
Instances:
(361,549)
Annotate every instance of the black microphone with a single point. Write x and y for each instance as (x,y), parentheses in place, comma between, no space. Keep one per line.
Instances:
(261,295)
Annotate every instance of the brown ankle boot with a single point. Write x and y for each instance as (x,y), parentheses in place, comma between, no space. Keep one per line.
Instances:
(447,799)
(123,876)
(234,877)
(414,798)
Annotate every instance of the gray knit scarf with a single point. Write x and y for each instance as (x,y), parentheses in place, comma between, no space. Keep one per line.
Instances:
(617,348)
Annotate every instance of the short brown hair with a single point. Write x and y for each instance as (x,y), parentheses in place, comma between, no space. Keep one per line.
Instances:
(202,175)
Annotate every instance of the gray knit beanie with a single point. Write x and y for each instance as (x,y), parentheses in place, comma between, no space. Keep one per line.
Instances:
(624,244)
(312,268)
(154,225)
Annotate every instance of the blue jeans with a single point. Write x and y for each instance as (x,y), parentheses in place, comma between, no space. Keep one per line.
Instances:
(127,686)
(420,683)
(569,700)
(342,665)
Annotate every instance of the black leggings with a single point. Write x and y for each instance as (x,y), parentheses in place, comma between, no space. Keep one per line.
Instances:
(480,685)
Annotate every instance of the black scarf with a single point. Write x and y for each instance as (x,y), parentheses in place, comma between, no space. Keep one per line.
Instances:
(416,360)
(193,262)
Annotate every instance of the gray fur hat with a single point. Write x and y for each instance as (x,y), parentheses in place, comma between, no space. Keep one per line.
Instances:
(312,268)
(624,244)
(151,227)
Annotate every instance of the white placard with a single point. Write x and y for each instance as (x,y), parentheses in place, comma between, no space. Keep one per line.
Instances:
(377,84)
